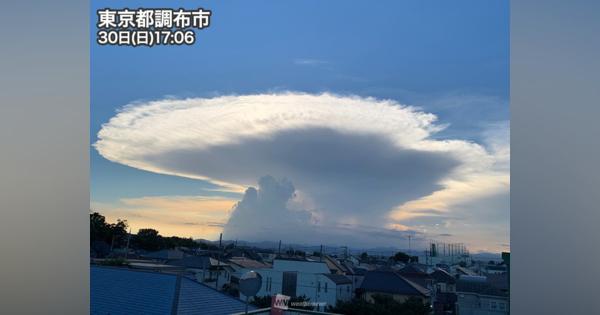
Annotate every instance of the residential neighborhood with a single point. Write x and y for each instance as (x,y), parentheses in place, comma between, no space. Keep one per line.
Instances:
(204,278)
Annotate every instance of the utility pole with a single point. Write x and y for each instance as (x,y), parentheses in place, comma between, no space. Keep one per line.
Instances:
(279,250)
(204,269)
(219,262)
(321,254)
(112,243)
(127,247)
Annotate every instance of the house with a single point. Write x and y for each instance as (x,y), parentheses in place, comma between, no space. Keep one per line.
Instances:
(205,269)
(443,281)
(296,277)
(357,275)
(163,255)
(334,265)
(390,283)
(153,266)
(246,263)
(241,265)
(476,295)
(340,284)
(267,256)
(463,271)
(243,252)
(417,274)
(443,295)
(125,291)
(353,260)
(495,269)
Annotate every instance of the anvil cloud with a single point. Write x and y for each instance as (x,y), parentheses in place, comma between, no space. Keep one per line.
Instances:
(353,161)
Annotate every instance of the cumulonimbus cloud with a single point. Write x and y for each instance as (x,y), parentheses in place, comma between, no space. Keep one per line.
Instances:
(355,158)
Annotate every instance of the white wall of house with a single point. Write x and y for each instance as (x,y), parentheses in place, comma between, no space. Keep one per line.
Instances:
(475,304)
(300,266)
(310,282)
(209,277)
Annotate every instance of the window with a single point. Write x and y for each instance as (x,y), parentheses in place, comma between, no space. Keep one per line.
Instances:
(502,306)
(289,283)
(348,289)
(319,286)
(325,287)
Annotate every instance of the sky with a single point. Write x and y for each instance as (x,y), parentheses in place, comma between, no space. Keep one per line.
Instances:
(311,122)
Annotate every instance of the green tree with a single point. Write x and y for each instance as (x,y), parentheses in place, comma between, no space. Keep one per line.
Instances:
(149,239)
(401,257)
(383,305)
(364,256)
(119,233)
(100,230)
(261,301)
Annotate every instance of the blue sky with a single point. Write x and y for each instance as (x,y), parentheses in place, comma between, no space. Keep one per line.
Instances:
(449,58)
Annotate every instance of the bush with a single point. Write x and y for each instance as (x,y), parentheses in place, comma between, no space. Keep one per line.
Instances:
(384,305)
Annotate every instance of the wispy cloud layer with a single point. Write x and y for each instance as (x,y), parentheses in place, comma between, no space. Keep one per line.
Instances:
(187,216)
(353,161)
(309,62)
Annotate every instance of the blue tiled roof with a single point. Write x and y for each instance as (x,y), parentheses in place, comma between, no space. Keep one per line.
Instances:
(118,291)
(200,299)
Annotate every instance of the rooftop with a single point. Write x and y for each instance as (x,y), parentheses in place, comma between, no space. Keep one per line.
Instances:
(478,285)
(391,282)
(441,275)
(412,269)
(248,263)
(199,262)
(124,291)
(465,271)
(338,279)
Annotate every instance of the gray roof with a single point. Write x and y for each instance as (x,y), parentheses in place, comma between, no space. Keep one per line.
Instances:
(483,287)
(465,271)
(391,282)
(118,291)
(441,275)
(164,254)
(338,279)
(412,269)
(248,263)
(197,262)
